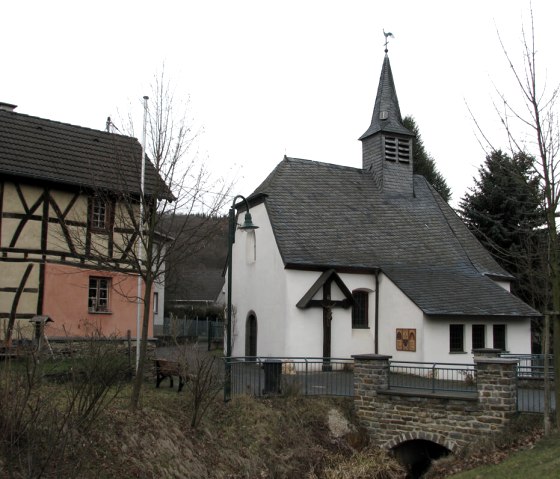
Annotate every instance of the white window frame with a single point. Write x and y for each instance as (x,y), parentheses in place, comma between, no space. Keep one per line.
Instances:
(99,289)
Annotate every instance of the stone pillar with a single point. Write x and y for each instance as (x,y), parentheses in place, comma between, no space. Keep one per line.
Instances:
(371,372)
(496,380)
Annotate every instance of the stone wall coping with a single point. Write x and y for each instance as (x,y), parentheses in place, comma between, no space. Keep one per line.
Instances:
(371,357)
(460,396)
(495,360)
(486,351)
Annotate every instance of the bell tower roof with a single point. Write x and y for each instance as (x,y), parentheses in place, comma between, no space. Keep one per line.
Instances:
(386,112)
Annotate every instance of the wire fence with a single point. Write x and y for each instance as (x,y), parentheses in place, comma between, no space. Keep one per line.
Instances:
(194,328)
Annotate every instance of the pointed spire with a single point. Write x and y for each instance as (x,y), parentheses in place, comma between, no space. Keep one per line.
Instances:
(386,112)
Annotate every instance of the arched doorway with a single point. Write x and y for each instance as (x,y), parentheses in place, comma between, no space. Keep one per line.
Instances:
(251,335)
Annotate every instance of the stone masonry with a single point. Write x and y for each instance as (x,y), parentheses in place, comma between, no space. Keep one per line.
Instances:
(393,416)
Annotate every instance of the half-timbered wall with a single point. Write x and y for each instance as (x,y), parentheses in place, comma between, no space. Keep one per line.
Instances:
(41,227)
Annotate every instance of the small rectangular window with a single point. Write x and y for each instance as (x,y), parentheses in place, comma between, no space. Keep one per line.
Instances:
(456,338)
(478,336)
(100,214)
(360,309)
(98,296)
(499,331)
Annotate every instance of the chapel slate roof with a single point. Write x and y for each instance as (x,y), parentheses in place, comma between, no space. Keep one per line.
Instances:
(330,216)
(46,150)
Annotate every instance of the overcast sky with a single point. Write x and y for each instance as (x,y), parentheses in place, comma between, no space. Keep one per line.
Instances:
(272,78)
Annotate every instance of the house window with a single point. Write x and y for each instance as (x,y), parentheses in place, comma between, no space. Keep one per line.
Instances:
(360,310)
(397,149)
(156,302)
(456,338)
(478,336)
(98,297)
(99,215)
(500,336)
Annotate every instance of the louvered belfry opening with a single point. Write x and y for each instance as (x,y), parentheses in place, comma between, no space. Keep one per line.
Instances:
(397,149)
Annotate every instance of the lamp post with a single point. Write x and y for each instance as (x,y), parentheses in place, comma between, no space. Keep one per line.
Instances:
(247,225)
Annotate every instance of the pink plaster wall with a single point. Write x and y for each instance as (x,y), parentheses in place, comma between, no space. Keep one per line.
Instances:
(65,300)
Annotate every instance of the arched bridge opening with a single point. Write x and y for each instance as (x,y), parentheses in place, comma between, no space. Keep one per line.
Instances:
(416,455)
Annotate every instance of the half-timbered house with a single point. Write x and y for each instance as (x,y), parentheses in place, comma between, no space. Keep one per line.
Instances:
(66,230)
(367,260)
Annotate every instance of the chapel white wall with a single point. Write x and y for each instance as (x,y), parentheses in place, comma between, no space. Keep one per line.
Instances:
(258,287)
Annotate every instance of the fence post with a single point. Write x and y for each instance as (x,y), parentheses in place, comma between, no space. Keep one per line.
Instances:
(209,333)
(433,377)
(306,376)
(129,343)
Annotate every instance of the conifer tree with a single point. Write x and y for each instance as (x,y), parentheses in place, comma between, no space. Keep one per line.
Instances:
(424,164)
(503,210)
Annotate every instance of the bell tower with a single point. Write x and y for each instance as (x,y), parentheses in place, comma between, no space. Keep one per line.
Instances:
(387,144)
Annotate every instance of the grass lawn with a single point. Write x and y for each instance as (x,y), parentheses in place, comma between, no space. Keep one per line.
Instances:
(543,462)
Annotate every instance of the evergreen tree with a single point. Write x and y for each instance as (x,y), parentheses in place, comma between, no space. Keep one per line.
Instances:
(503,210)
(424,164)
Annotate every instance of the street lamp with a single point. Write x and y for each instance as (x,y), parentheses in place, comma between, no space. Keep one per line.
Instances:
(247,225)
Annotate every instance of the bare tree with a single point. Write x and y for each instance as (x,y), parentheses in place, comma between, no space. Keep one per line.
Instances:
(173,213)
(530,120)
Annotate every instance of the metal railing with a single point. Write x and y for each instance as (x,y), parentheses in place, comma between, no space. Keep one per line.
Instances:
(531,366)
(444,377)
(530,387)
(262,376)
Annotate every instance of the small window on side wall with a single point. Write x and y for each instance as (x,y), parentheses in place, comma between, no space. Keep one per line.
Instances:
(499,333)
(99,214)
(360,319)
(156,302)
(456,338)
(478,336)
(98,295)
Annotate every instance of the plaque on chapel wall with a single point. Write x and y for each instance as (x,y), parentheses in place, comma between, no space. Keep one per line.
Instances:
(406,339)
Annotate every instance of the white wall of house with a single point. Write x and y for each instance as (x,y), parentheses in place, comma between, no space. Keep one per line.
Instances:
(396,310)
(518,337)
(504,284)
(304,327)
(258,286)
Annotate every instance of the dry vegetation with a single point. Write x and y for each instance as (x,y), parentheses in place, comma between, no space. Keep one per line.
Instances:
(45,434)
(245,438)
(81,426)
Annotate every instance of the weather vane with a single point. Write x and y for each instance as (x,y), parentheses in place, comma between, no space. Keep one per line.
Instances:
(387,35)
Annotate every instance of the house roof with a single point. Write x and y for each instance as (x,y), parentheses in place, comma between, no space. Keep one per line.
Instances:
(386,102)
(200,285)
(47,150)
(328,216)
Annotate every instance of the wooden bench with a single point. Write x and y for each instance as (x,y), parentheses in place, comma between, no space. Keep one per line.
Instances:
(167,369)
